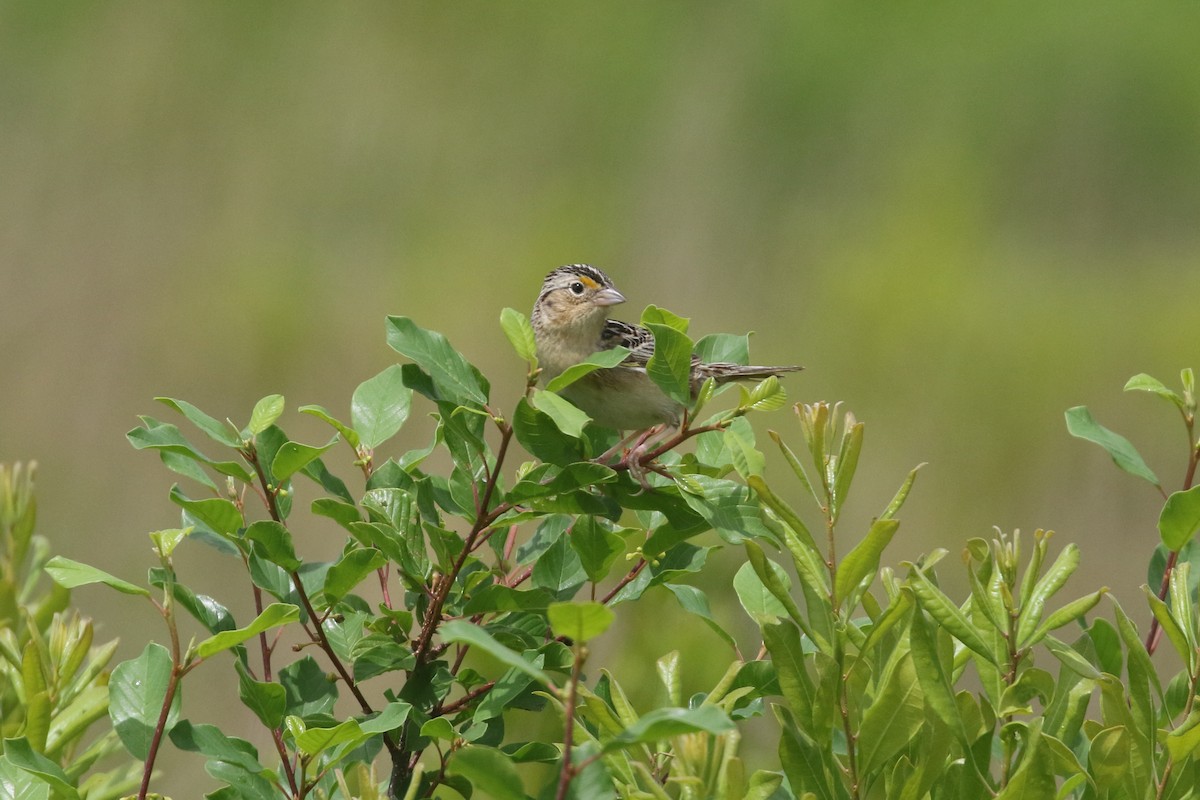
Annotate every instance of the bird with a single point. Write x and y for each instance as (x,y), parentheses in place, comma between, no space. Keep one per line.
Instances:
(570,322)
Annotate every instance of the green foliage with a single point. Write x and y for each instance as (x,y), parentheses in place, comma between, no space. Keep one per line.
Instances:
(453,603)
(465,597)
(53,677)
(877,697)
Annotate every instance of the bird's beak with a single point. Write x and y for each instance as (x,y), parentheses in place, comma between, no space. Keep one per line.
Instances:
(608,297)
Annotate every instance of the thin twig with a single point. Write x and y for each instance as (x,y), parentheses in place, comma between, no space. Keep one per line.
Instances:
(450,708)
(483,520)
(1154,636)
(568,771)
(177,671)
(621,584)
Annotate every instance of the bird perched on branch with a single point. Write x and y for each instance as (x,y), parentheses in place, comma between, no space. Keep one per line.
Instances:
(570,322)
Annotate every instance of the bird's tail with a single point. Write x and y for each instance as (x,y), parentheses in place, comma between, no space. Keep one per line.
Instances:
(725,372)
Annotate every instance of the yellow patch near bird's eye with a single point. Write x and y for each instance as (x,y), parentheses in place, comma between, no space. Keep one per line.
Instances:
(588,282)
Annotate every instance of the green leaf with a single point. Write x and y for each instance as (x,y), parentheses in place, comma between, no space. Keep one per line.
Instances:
(219,515)
(1180,518)
(1034,778)
(739,440)
(897,611)
(1170,625)
(455,379)
(767,395)
(393,715)
(240,784)
(847,462)
(706,391)
(314,741)
(211,741)
(803,762)
(1071,658)
(724,347)
(727,506)
(1144,383)
(137,690)
(165,541)
(1108,756)
(350,571)
(1054,579)
(948,615)
(1184,741)
(265,413)
(540,435)
(520,334)
(936,685)
(602,359)
(755,597)
(21,755)
(348,433)
(292,457)
(863,560)
(188,468)
(1183,608)
(272,616)
(1142,675)
(664,723)
(466,633)
(70,574)
(559,569)
(339,511)
(207,611)
(166,438)
(380,406)
(785,512)
(670,368)
(1067,614)
(37,706)
(580,622)
(490,772)
(309,690)
(901,494)
(267,700)
(439,728)
(777,583)
(893,718)
(274,542)
(567,416)
(1081,425)
(763,784)
(596,546)
(214,429)
(18,784)
(783,642)
(496,597)
(654,315)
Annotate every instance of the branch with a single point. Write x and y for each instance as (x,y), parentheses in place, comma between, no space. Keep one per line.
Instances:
(483,520)
(568,771)
(621,584)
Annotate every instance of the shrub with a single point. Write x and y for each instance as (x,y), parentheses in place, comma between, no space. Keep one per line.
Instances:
(465,592)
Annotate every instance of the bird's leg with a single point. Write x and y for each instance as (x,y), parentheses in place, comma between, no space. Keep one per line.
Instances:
(616,448)
(636,459)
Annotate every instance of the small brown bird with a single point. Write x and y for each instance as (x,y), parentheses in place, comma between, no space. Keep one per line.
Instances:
(570,322)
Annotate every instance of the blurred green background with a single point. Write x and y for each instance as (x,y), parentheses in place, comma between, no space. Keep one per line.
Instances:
(962,219)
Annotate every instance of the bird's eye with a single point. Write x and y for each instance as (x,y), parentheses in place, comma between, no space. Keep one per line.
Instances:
(577,288)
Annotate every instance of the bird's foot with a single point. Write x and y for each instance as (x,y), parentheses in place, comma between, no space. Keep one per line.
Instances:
(639,460)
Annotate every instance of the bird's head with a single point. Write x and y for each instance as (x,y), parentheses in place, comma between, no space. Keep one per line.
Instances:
(575,295)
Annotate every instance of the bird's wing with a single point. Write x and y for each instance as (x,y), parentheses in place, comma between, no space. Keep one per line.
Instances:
(639,340)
